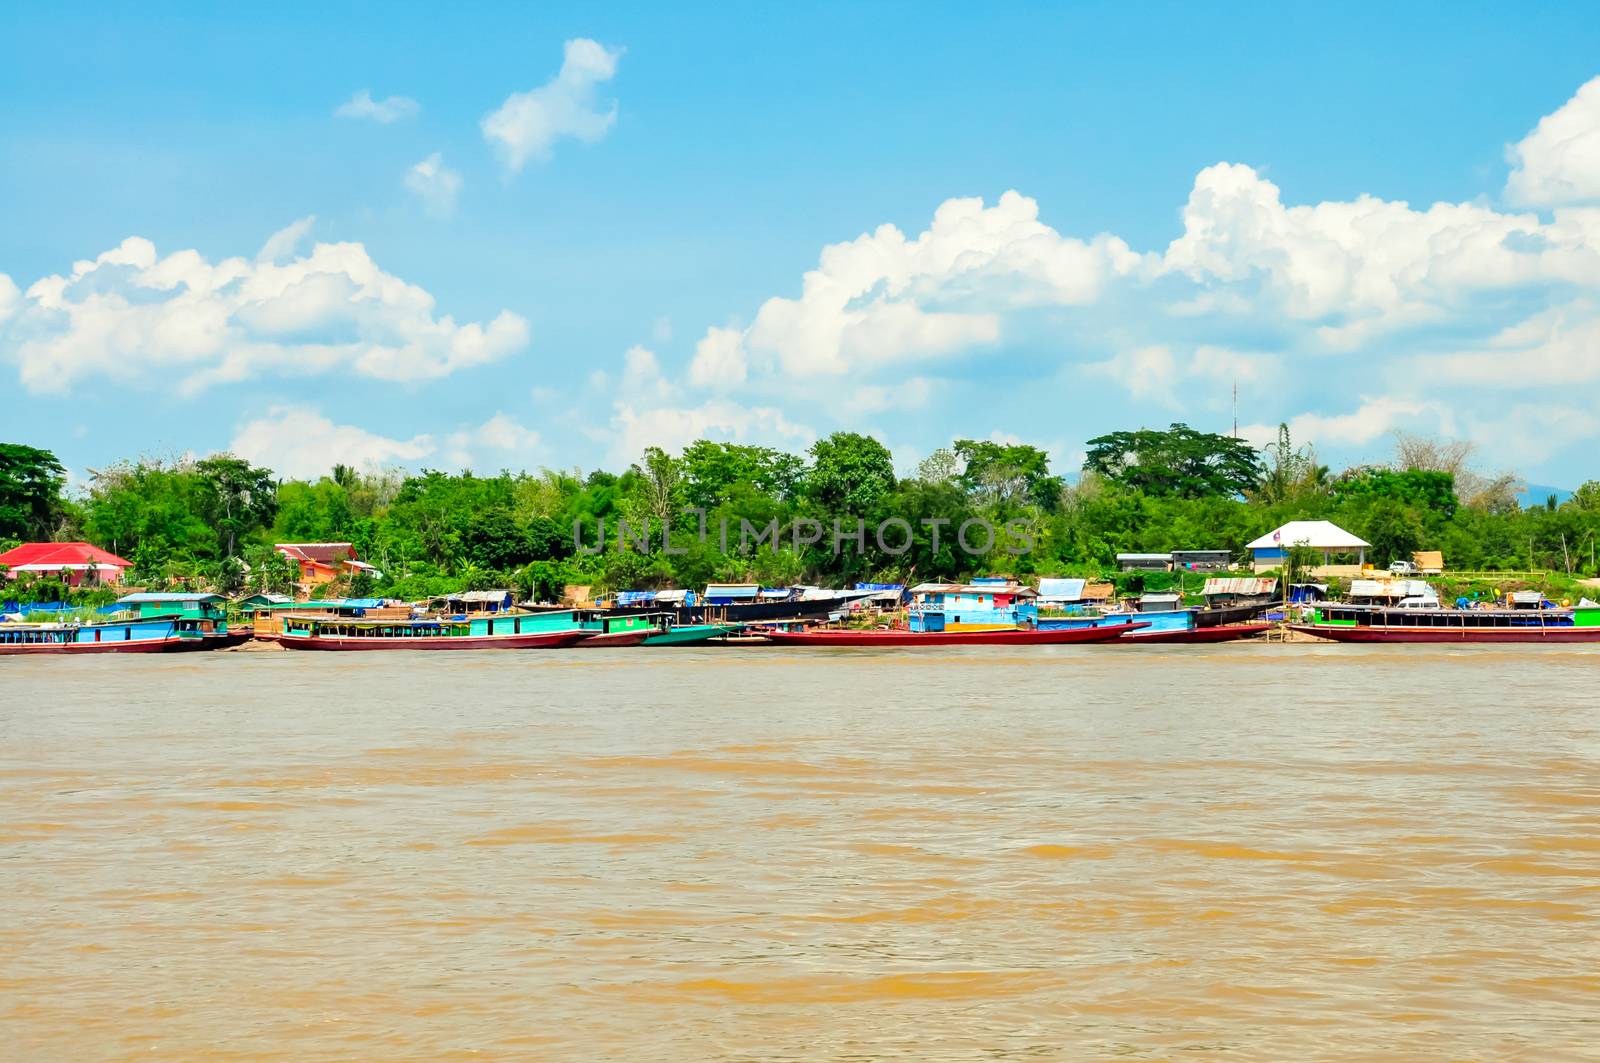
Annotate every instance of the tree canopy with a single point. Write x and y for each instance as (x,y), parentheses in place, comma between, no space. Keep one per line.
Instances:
(30,492)
(769,516)
(1179,462)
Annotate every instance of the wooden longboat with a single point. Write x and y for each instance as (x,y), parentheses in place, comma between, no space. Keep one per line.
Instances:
(322,633)
(904,637)
(1199,635)
(1370,624)
(157,635)
(689,634)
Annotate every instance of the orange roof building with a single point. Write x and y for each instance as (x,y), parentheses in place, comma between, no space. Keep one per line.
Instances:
(324,562)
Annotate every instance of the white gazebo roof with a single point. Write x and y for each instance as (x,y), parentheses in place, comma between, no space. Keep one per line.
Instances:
(1317,534)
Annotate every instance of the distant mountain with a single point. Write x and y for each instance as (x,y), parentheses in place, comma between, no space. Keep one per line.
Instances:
(1539,493)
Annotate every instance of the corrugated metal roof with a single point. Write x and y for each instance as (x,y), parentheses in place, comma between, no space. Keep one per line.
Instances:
(1240,585)
(60,555)
(975,588)
(1144,557)
(480,596)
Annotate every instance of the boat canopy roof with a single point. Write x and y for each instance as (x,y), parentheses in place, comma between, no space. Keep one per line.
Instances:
(146,597)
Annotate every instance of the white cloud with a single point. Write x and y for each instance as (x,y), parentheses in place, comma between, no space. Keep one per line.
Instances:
(1155,374)
(674,427)
(641,376)
(1148,373)
(362,105)
(10,298)
(1506,438)
(719,359)
(1377,416)
(130,316)
(1432,312)
(527,125)
(1358,268)
(300,443)
(883,299)
(1559,162)
(435,185)
(286,240)
(499,438)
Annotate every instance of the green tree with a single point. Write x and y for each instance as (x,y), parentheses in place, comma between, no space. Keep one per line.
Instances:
(850,473)
(1394,530)
(30,492)
(242,498)
(1289,473)
(1006,475)
(711,470)
(1179,461)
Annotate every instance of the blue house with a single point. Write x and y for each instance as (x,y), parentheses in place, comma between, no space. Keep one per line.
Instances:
(986,604)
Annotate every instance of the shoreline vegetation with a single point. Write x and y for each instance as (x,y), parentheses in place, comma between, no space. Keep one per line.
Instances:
(210,523)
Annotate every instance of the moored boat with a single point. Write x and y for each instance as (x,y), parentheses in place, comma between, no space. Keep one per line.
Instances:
(1351,623)
(689,634)
(1199,635)
(906,637)
(501,633)
(1167,626)
(158,635)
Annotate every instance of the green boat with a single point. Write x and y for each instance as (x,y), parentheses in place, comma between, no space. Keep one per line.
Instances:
(687,634)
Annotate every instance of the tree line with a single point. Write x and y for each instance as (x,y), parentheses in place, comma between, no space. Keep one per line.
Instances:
(212,521)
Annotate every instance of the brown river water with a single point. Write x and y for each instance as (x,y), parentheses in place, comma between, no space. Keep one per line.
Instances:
(1245,852)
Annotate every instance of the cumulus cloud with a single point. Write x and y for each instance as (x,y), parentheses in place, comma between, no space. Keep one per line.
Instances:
(1296,303)
(435,185)
(641,376)
(1559,162)
(1356,269)
(527,125)
(674,427)
(132,316)
(362,105)
(719,359)
(301,443)
(882,298)
(500,438)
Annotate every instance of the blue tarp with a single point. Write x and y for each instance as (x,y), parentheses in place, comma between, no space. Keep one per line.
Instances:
(880,587)
(631,598)
(52,607)
(1062,590)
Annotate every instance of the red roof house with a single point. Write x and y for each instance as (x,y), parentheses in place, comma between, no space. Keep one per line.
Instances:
(77,563)
(324,562)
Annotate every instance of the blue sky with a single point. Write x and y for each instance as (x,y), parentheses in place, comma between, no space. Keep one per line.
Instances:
(1353,214)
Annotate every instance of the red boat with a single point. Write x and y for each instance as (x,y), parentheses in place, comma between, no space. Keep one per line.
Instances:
(169,644)
(904,637)
(1222,633)
(615,638)
(1346,623)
